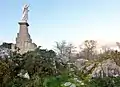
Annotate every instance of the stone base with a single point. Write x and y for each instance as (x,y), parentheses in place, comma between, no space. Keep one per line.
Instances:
(23,40)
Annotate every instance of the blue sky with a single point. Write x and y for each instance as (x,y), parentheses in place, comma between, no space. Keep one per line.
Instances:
(56,20)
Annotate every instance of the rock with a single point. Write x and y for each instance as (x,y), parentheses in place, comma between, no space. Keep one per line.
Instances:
(4,52)
(90,67)
(106,68)
(24,74)
(80,63)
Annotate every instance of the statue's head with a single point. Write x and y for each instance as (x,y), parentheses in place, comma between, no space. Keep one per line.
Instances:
(26,6)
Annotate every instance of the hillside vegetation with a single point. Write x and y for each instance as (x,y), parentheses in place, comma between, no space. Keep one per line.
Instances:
(61,67)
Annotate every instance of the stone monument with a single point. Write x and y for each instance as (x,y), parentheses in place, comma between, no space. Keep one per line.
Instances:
(23,40)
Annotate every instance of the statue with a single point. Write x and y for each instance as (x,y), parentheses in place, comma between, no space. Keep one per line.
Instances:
(25,13)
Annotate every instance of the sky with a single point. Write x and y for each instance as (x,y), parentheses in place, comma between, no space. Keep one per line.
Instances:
(57,20)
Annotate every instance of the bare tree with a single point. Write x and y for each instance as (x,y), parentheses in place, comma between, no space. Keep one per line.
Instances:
(118,44)
(60,48)
(88,49)
(105,48)
(64,50)
(70,49)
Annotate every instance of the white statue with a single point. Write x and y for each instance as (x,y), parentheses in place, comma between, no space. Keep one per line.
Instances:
(25,13)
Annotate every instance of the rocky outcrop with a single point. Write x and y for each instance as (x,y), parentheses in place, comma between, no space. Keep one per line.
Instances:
(99,69)
(106,68)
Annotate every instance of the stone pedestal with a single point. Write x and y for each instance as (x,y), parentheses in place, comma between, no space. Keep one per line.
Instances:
(23,40)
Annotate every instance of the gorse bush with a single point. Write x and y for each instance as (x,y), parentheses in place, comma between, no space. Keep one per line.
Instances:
(38,63)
